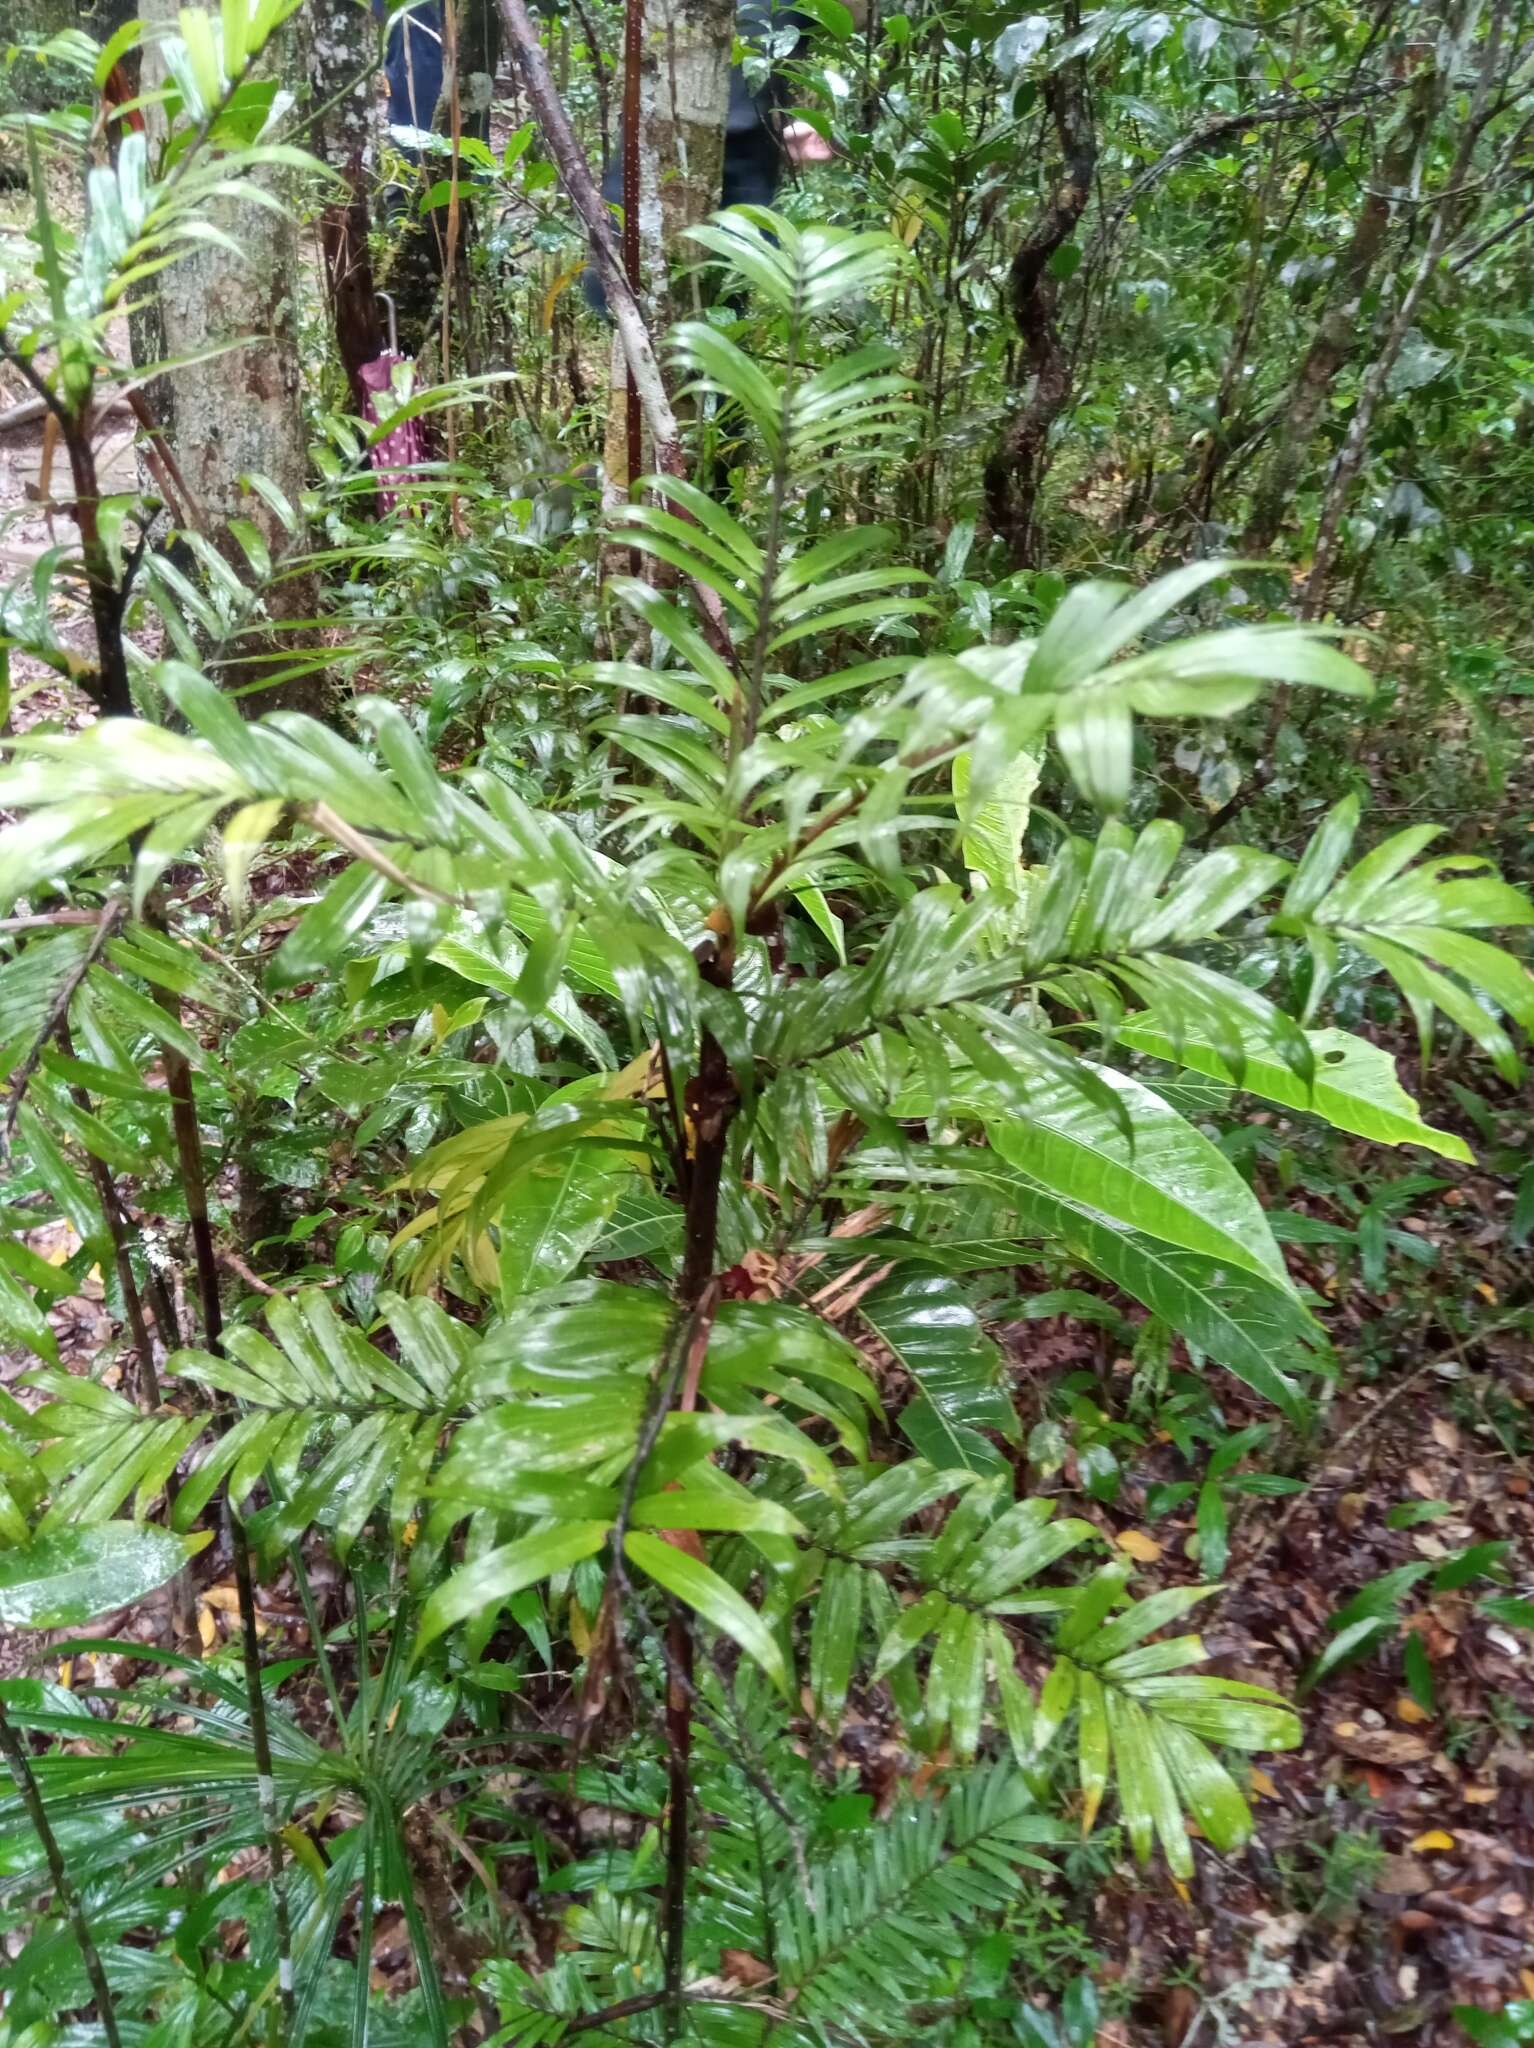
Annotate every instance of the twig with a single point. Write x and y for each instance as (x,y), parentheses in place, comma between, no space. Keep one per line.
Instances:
(118,1229)
(1497,235)
(113,695)
(335,827)
(178,1084)
(261,1743)
(1350,456)
(190,512)
(48,920)
(1349,1436)
(64,1892)
(1284,108)
(253,1280)
(107,921)
(689,1339)
(633,334)
(31,410)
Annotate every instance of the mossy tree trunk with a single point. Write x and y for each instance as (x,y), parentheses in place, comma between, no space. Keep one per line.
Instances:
(239,409)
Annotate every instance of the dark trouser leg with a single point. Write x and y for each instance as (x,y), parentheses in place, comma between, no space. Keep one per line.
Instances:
(415,68)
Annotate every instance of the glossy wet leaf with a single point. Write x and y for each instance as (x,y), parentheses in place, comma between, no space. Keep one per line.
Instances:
(72,1575)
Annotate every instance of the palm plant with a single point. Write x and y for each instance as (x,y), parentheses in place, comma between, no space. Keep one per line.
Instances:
(829,1021)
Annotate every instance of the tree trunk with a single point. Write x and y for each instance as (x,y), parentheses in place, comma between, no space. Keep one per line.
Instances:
(341,39)
(1337,330)
(1015,470)
(239,411)
(683,95)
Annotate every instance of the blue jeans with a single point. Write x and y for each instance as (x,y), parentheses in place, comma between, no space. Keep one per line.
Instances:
(413,67)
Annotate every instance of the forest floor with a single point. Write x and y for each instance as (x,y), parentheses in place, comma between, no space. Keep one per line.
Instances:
(1392,1873)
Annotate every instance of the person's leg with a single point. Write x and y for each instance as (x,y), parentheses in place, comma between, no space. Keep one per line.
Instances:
(753,167)
(413,63)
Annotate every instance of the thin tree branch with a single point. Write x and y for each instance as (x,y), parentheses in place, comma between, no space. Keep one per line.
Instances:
(119,1230)
(1350,457)
(1508,229)
(633,334)
(178,1083)
(1285,108)
(64,1892)
(107,921)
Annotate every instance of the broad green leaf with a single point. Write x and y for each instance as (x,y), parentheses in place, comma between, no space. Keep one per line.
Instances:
(552,1218)
(751,1337)
(1147,1795)
(1258,1331)
(1139,1621)
(834,1630)
(993,830)
(1208,1790)
(1323,856)
(1356,1088)
(1093,1602)
(23,1322)
(73,1574)
(1221,1710)
(913,1623)
(1172,1183)
(1092,1744)
(1016,1699)
(713,1508)
(958,1670)
(932,1330)
(242,838)
(1056,1699)
(325,931)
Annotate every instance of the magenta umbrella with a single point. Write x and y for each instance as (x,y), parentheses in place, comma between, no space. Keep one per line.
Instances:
(394,455)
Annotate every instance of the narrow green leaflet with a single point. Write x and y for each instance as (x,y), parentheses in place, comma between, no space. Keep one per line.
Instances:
(23,1322)
(491,1579)
(702,1589)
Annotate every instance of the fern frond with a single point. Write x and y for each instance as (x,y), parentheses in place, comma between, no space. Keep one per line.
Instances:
(884,1916)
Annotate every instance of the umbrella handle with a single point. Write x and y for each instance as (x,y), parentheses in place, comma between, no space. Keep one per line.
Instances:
(388,299)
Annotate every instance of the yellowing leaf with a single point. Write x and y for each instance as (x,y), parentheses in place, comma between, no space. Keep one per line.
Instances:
(1435,1838)
(302,1848)
(580,1629)
(566,277)
(1407,1709)
(640,1079)
(1142,1548)
(1262,1784)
